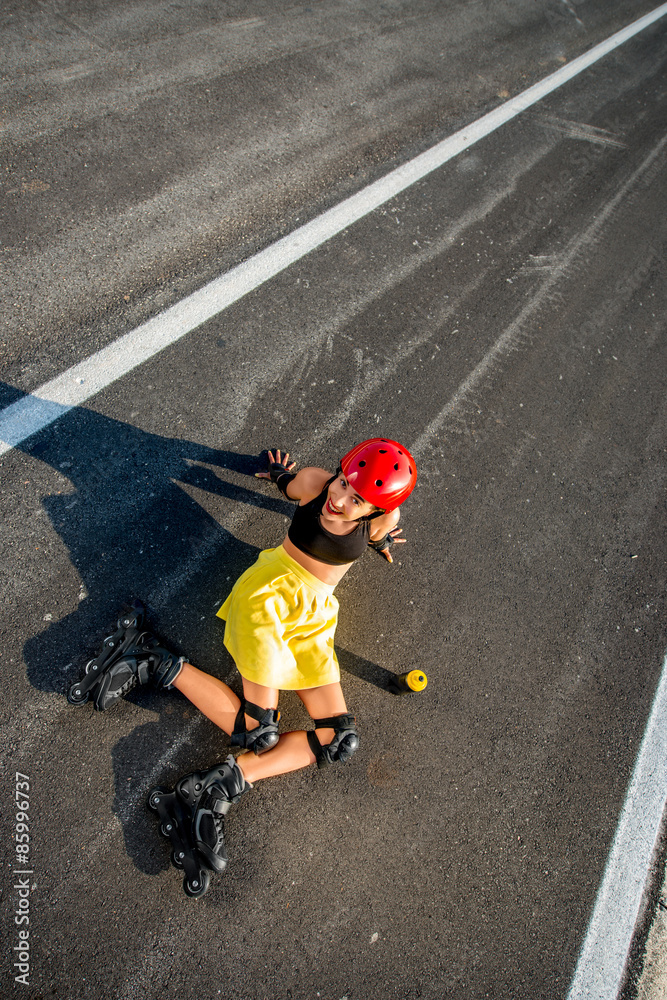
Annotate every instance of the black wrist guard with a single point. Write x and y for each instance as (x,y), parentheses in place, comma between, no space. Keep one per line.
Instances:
(281,476)
(382,543)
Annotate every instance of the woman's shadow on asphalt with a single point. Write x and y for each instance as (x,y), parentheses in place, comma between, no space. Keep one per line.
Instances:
(132,530)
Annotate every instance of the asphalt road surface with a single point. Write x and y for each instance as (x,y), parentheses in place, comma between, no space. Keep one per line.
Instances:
(504,317)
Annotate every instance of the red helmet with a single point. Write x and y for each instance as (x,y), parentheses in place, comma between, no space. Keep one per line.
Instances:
(381,471)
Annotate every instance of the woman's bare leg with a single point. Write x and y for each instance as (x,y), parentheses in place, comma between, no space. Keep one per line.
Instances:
(211,696)
(217,700)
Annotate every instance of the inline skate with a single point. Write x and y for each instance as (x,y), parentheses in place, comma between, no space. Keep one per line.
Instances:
(192,817)
(131,655)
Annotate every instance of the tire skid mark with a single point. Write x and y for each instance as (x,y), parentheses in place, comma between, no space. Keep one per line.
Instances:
(511,337)
(580,130)
(368,385)
(211,54)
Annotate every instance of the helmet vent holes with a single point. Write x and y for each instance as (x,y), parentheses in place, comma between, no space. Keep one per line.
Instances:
(383,472)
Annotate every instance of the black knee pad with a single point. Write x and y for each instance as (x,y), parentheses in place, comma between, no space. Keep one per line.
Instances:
(264,736)
(342,746)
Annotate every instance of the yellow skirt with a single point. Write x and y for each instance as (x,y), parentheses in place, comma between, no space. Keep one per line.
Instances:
(280,624)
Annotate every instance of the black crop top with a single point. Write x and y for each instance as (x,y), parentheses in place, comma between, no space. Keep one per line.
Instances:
(310,537)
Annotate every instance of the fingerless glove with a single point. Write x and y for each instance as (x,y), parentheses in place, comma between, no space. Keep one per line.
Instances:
(281,476)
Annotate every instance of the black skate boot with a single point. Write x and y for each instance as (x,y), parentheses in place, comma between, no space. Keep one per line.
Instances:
(193,818)
(131,656)
(210,794)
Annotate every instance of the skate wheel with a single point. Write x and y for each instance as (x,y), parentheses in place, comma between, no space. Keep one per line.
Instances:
(196,887)
(177,859)
(154,798)
(165,829)
(76,696)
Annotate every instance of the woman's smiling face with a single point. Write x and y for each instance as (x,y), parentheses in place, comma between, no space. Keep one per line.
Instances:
(342,502)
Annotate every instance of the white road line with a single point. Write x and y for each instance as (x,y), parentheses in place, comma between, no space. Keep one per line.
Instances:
(53,399)
(605,952)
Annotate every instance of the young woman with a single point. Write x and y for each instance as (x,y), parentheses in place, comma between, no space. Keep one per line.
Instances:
(280,623)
